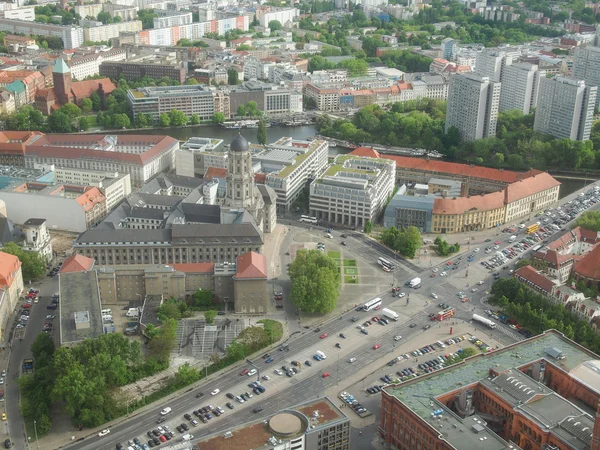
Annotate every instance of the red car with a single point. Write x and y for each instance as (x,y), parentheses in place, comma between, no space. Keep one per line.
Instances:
(377,308)
(432,275)
(244,372)
(324,335)
(27,306)
(326,374)
(32,295)
(449,263)
(163,438)
(375,319)
(497,243)
(376,346)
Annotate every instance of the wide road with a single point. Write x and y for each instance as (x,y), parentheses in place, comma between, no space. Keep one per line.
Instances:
(310,383)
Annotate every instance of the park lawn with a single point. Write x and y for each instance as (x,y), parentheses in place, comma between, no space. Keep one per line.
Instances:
(334,255)
(349,263)
(350,279)
(350,271)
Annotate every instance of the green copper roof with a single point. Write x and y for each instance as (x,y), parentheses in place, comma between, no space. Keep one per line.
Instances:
(16,86)
(60,66)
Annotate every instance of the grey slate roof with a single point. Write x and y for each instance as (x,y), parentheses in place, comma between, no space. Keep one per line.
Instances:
(8,232)
(123,235)
(194,212)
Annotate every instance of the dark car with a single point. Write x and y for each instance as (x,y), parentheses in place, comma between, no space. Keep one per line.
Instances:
(187,417)
(412,325)
(307,363)
(151,443)
(7,443)
(156,432)
(137,441)
(119,446)
(230,395)
(258,409)
(156,441)
(230,405)
(150,435)
(200,394)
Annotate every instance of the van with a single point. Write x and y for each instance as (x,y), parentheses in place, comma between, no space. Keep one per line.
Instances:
(187,437)
(107,318)
(106,312)
(321,354)
(133,312)
(440,344)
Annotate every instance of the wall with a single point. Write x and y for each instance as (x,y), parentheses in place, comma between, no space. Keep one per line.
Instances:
(251,296)
(60,213)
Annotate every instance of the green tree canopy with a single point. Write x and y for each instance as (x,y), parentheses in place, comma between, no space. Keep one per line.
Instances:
(33,265)
(590,220)
(210,315)
(59,122)
(315,282)
(165,120)
(275,25)
(178,118)
(218,117)
(261,132)
(232,76)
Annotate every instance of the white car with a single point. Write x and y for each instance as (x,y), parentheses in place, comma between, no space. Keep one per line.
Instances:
(475,250)
(397,338)
(104,432)
(252,372)
(165,411)
(266,377)
(480,283)
(215,392)
(474,290)
(351,360)
(402,294)
(435,269)
(278,372)
(434,295)
(443,274)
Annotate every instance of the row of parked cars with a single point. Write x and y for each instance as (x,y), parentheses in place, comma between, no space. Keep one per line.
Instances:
(353,403)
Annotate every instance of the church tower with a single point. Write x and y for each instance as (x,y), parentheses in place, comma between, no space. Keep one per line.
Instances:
(241,189)
(61,75)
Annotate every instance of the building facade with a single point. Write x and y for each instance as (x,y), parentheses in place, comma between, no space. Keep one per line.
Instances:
(473,103)
(37,238)
(106,32)
(565,108)
(71,35)
(136,68)
(11,288)
(167,18)
(586,66)
(520,87)
(352,191)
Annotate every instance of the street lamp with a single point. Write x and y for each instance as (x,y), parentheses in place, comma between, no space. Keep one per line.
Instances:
(36,436)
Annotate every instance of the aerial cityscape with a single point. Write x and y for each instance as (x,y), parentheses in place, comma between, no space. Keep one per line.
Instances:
(299,225)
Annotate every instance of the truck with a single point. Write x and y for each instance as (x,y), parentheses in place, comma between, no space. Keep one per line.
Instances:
(27,365)
(390,314)
(415,282)
(483,320)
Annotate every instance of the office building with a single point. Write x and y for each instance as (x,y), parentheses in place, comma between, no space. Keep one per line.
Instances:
(520,87)
(491,63)
(352,190)
(88,65)
(113,30)
(142,157)
(473,103)
(408,210)
(25,13)
(268,97)
(586,66)
(153,66)
(284,16)
(125,12)
(449,49)
(198,99)
(544,398)
(71,35)
(313,425)
(11,288)
(565,108)
(289,165)
(167,18)
(197,154)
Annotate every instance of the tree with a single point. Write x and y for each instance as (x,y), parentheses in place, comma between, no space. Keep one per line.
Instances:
(241,111)
(86,105)
(261,132)
(275,25)
(121,121)
(96,101)
(165,120)
(522,263)
(71,110)
(590,220)
(142,120)
(315,282)
(42,347)
(368,227)
(218,117)
(232,76)
(59,122)
(195,119)
(210,315)
(84,124)
(203,298)
(178,118)
(191,82)
(147,17)
(252,109)
(104,17)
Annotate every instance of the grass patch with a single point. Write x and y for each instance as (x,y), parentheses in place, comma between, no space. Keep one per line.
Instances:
(349,263)
(350,271)
(273,328)
(334,255)
(350,279)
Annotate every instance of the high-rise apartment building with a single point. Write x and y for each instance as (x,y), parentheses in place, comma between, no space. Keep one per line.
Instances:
(565,108)
(473,103)
(520,86)
(491,63)
(586,66)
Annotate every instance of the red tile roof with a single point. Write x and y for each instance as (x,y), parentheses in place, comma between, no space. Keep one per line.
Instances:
(465,170)
(260,178)
(589,265)
(461,205)
(533,184)
(215,172)
(251,265)
(85,89)
(538,280)
(9,266)
(194,267)
(90,198)
(77,263)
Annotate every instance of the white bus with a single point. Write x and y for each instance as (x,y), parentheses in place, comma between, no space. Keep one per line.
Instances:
(372,304)
(385,264)
(308,219)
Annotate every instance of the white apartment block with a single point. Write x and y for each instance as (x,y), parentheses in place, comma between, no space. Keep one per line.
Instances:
(289,166)
(88,65)
(586,66)
(352,190)
(125,12)
(26,13)
(565,108)
(71,35)
(490,63)
(520,87)
(167,18)
(283,16)
(473,103)
(106,32)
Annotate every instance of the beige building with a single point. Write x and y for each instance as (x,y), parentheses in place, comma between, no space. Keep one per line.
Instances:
(11,287)
(462,214)
(536,193)
(250,284)
(113,185)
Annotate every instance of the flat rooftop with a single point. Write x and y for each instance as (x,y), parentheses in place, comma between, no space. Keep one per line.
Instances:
(78,294)
(255,435)
(420,393)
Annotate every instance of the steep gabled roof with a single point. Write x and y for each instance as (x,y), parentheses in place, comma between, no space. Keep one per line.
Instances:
(77,263)
(251,265)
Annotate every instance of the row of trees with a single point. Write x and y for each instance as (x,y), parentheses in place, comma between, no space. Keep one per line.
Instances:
(442,247)
(355,67)
(405,241)
(590,220)
(537,313)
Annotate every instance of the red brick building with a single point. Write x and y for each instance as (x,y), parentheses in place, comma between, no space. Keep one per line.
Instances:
(538,394)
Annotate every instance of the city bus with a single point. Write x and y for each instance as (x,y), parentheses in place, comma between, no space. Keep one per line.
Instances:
(372,304)
(532,228)
(445,314)
(385,264)
(308,219)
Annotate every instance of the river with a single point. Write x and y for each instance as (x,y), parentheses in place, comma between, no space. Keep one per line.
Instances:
(273,133)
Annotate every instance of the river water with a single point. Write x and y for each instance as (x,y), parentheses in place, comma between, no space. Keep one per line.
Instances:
(273,133)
